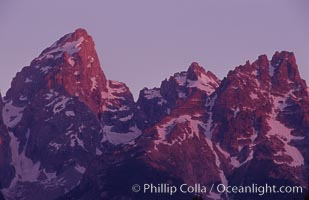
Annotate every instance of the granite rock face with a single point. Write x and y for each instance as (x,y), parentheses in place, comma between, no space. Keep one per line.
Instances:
(245,129)
(59,115)
(67,132)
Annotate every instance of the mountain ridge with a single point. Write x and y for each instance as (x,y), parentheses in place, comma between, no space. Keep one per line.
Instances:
(66,126)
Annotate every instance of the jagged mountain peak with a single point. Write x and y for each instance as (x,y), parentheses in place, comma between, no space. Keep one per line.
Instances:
(71,64)
(195,71)
(181,88)
(51,111)
(70,44)
(198,77)
(61,113)
(180,85)
(280,72)
(284,68)
(270,91)
(263,83)
(195,77)
(260,64)
(76,50)
(263,60)
(79,35)
(279,57)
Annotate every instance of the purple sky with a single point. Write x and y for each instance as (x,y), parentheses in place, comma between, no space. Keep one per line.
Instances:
(143,42)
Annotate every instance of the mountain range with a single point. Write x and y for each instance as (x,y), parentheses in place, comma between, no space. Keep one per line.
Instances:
(67,132)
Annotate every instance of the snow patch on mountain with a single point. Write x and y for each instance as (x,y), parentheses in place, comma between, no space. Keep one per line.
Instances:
(253,95)
(23,98)
(59,103)
(28,80)
(94,83)
(152,93)
(272,70)
(217,161)
(164,129)
(75,140)
(120,138)
(12,115)
(69,47)
(25,169)
(235,112)
(80,169)
(71,61)
(283,133)
(280,102)
(115,90)
(181,78)
(204,83)
(70,113)
(44,69)
(210,102)
(127,118)
(55,146)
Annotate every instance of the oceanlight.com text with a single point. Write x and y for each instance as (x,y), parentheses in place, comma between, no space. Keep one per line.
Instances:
(164,188)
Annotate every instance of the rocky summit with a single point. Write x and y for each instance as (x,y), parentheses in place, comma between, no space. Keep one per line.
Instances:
(67,132)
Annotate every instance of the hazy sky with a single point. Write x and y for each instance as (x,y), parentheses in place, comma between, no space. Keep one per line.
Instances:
(143,42)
